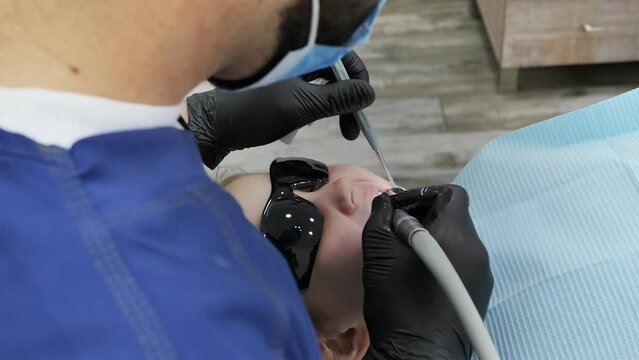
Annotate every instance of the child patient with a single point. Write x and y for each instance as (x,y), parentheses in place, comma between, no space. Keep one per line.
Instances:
(335,293)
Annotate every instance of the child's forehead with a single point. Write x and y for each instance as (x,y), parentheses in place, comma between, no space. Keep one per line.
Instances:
(353,172)
(346,169)
(261,181)
(246,180)
(251,192)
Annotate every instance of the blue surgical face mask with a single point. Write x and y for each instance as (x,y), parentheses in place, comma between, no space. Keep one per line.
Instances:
(314,56)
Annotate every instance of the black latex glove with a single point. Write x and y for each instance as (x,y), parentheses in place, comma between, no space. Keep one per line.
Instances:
(223,121)
(407,313)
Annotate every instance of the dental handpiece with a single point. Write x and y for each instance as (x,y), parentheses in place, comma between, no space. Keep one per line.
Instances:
(411,231)
(362,121)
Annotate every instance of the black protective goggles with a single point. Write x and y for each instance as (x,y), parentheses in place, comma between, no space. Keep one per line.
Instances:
(293,224)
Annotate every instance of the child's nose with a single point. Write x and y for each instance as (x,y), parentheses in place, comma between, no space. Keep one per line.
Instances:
(343,194)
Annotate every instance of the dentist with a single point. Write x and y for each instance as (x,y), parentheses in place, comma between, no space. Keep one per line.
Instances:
(114,244)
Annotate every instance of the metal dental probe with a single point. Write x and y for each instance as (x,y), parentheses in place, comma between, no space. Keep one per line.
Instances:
(362,121)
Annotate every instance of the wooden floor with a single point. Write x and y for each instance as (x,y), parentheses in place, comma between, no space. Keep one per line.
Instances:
(435,76)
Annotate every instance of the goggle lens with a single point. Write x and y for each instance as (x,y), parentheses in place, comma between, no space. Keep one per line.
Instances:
(293,224)
(296,229)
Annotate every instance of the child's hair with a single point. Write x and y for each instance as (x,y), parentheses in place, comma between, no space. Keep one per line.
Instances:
(225,175)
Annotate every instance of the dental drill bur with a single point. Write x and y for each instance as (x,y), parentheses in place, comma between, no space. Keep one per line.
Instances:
(362,121)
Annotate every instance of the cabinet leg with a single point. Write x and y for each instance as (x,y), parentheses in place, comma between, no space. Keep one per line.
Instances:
(474,10)
(508,80)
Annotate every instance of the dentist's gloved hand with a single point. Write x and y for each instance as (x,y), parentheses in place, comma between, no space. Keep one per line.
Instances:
(224,121)
(407,313)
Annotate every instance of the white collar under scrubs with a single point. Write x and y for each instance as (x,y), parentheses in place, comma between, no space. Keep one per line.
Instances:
(60,118)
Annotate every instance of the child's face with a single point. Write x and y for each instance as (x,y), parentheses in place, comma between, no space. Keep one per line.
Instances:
(336,289)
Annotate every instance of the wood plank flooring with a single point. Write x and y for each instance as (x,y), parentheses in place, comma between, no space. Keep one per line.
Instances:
(435,75)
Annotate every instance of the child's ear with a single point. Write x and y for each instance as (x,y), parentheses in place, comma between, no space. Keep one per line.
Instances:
(351,344)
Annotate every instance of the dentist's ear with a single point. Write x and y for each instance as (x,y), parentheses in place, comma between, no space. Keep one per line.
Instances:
(350,344)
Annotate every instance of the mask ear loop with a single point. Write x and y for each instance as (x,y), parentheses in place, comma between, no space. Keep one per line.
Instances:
(294,57)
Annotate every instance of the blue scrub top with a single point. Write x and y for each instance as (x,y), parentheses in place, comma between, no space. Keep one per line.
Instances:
(122,248)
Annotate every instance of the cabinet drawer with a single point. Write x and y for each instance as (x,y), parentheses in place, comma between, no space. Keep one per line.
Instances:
(560,32)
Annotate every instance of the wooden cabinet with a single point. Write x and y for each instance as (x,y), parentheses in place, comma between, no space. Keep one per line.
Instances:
(536,33)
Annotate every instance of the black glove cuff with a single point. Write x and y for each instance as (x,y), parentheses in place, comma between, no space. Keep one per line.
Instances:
(202,109)
(212,157)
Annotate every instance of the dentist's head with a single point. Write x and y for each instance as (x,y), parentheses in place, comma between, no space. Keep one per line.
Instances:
(155,52)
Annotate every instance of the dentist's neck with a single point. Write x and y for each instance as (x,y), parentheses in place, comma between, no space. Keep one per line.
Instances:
(149,60)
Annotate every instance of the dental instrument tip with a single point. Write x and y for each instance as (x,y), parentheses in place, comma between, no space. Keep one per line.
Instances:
(380,156)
